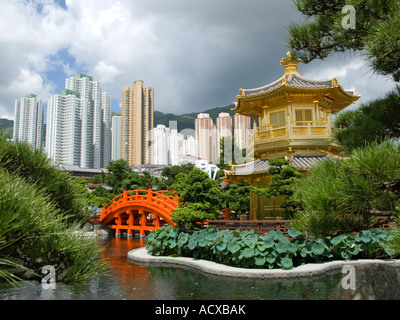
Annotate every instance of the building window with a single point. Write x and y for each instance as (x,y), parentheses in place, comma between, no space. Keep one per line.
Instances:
(277,119)
(303,115)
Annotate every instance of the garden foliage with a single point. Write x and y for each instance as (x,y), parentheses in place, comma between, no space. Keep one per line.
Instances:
(34,234)
(274,250)
(41,211)
(345,196)
(33,166)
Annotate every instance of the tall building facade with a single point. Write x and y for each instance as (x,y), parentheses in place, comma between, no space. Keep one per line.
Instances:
(106,133)
(224,127)
(175,145)
(160,145)
(137,123)
(242,131)
(28,120)
(205,131)
(116,138)
(171,147)
(79,124)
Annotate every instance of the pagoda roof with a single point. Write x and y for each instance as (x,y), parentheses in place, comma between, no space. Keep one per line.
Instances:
(261,166)
(293,82)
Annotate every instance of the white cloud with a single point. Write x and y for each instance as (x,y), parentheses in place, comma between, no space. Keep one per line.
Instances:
(105,73)
(352,73)
(26,82)
(196,54)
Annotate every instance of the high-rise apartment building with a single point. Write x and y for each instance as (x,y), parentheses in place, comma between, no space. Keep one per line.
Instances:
(190,150)
(137,123)
(224,126)
(206,137)
(79,123)
(175,145)
(116,138)
(171,147)
(241,130)
(64,128)
(28,120)
(160,145)
(106,134)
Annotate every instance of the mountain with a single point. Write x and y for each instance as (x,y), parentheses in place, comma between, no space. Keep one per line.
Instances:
(7,127)
(186,121)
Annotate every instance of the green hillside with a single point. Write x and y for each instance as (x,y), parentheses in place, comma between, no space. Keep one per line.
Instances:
(186,121)
(7,127)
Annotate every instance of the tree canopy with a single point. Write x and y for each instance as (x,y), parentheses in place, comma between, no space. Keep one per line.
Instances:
(376,33)
(376,120)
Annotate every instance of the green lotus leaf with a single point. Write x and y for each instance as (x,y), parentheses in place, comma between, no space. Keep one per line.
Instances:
(260,261)
(248,252)
(317,248)
(294,233)
(269,243)
(233,247)
(286,263)
(192,244)
(271,259)
(336,240)
(281,247)
(221,246)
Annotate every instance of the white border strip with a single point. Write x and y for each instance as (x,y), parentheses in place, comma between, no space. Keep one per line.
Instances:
(312,269)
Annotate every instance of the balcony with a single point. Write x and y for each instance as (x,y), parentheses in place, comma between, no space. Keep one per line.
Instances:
(296,128)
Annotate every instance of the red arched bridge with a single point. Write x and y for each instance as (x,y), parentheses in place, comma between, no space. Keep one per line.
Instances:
(139,210)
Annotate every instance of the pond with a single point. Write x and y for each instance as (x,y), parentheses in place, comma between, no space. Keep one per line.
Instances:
(130,281)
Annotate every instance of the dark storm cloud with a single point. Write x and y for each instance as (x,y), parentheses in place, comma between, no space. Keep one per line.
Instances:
(196,54)
(216,47)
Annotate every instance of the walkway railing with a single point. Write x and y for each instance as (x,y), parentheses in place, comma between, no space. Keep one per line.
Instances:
(261,226)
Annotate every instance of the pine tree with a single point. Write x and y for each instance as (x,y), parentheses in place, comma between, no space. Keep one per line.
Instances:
(349,195)
(376,32)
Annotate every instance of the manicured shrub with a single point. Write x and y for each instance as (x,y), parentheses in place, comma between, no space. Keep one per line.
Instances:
(274,250)
(34,166)
(34,234)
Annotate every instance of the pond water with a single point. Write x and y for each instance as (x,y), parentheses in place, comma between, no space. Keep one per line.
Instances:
(130,281)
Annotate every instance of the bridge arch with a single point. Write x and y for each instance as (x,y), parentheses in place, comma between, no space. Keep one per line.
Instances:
(139,210)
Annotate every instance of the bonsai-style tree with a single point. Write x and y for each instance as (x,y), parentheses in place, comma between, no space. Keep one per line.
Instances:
(201,198)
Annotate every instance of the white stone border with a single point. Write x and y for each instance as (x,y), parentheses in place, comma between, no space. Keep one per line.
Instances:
(312,269)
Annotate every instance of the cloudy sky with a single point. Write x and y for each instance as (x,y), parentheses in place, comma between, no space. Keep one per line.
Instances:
(196,54)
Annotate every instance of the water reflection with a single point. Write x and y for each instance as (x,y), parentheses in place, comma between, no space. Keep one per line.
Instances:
(127,280)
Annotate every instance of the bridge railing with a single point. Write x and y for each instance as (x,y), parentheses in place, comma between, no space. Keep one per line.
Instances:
(164,198)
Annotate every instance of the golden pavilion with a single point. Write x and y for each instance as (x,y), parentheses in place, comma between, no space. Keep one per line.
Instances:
(294,116)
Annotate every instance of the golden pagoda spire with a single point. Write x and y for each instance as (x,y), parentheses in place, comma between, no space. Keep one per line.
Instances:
(290,63)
